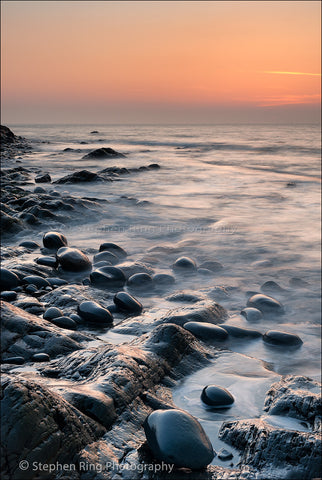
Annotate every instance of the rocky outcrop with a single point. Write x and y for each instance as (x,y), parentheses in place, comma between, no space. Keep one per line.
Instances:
(7,136)
(104,152)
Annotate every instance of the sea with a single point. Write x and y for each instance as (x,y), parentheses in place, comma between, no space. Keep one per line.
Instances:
(247,196)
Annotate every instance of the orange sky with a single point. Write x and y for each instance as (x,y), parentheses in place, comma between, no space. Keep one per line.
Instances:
(106,61)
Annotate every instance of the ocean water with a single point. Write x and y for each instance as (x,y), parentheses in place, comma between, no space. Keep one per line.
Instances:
(247,196)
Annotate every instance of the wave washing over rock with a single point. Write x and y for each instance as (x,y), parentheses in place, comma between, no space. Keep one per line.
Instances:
(160,305)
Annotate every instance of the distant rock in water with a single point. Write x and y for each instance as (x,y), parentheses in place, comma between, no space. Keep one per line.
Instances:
(78,177)
(206,331)
(265,304)
(113,248)
(104,152)
(275,337)
(177,437)
(184,264)
(46,178)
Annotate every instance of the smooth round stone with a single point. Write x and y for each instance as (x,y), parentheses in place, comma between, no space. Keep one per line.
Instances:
(52,312)
(206,331)
(276,337)
(205,271)
(216,396)
(108,277)
(73,260)
(39,190)
(265,304)
(184,264)
(54,240)
(252,314)
(162,279)
(240,332)
(57,282)
(140,280)
(8,279)
(64,322)
(15,360)
(47,261)
(271,287)
(8,295)
(40,357)
(93,312)
(126,302)
(29,244)
(31,289)
(224,455)
(35,280)
(106,256)
(113,248)
(102,264)
(176,437)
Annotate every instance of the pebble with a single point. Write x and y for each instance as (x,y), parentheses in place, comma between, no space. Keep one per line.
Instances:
(176,437)
(36,280)
(54,240)
(265,304)
(211,265)
(64,322)
(184,264)
(271,287)
(126,302)
(93,312)
(29,244)
(40,357)
(31,289)
(39,190)
(206,331)
(15,360)
(52,312)
(163,279)
(76,318)
(8,279)
(240,332)
(224,455)
(8,295)
(276,337)
(108,277)
(216,396)
(251,314)
(47,261)
(113,248)
(140,280)
(73,260)
(106,256)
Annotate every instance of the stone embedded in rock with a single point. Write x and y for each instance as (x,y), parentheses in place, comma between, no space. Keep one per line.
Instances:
(176,437)
(251,314)
(47,261)
(64,322)
(108,277)
(126,302)
(73,260)
(104,152)
(106,256)
(113,248)
(8,295)
(206,331)
(265,304)
(140,280)
(276,337)
(93,312)
(46,178)
(8,279)
(216,396)
(224,455)
(184,264)
(52,312)
(40,357)
(54,240)
(29,244)
(14,360)
(36,280)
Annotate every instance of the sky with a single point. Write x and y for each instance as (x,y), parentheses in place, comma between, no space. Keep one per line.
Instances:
(160,61)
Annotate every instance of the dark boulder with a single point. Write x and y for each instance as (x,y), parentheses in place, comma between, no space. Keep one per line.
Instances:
(251,314)
(52,312)
(276,337)
(206,331)
(184,264)
(126,302)
(93,312)
(140,280)
(54,240)
(36,280)
(8,279)
(177,438)
(73,260)
(163,279)
(40,357)
(64,322)
(113,248)
(79,177)
(29,244)
(240,332)
(106,277)
(265,304)
(106,256)
(47,261)
(46,178)
(216,396)
(8,295)
(101,153)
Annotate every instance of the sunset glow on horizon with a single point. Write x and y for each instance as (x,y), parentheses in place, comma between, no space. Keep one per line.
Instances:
(110,61)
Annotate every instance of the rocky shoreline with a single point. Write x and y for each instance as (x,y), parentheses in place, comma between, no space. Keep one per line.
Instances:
(70,397)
